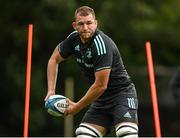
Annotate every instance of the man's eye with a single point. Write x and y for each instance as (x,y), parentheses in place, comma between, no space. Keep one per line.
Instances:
(89,23)
(80,23)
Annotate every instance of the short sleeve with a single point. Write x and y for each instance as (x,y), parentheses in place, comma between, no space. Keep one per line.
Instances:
(103,55)
(66,47)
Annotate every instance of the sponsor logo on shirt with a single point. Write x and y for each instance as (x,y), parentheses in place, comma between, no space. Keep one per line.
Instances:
(85,64)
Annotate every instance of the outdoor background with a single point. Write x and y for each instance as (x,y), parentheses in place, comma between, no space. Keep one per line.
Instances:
(130,23)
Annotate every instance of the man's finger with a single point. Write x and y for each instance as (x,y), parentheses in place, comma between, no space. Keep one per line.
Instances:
(47,96)
(45,99)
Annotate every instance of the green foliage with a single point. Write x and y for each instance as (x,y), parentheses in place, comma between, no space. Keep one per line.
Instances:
(132,23)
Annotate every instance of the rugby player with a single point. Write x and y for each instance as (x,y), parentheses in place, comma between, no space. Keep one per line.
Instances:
(112,95)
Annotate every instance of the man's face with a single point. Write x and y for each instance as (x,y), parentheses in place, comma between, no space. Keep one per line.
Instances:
(86,26)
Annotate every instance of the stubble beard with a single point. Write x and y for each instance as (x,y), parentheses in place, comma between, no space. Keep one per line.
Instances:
(86,36)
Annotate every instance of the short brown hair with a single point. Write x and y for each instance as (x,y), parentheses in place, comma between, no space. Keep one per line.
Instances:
(85,11)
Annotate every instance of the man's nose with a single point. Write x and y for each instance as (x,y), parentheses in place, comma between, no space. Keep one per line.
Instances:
(85,27)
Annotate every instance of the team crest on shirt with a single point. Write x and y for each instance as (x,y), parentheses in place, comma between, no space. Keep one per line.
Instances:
(88,53)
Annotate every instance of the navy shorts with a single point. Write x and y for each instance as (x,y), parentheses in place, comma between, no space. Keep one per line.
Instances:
(121,108)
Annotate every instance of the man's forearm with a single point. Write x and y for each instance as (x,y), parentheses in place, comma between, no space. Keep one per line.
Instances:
(92,94)
(52,71)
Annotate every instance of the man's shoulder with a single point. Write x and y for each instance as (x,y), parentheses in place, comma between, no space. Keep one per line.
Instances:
(100,32)
(103,38)
(72,38)
(73,34)
(103,35)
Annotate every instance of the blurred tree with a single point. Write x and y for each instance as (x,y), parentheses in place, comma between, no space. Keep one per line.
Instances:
(132,23)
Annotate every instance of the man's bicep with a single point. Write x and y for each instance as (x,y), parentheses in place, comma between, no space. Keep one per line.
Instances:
(56,56)
(102,76)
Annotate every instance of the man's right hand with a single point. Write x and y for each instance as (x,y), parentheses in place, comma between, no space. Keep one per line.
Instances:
(49,94)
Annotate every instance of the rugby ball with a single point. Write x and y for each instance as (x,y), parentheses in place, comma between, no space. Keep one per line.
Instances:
(56,105)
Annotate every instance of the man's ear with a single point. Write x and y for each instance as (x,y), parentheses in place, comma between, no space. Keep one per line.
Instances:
(74,25)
